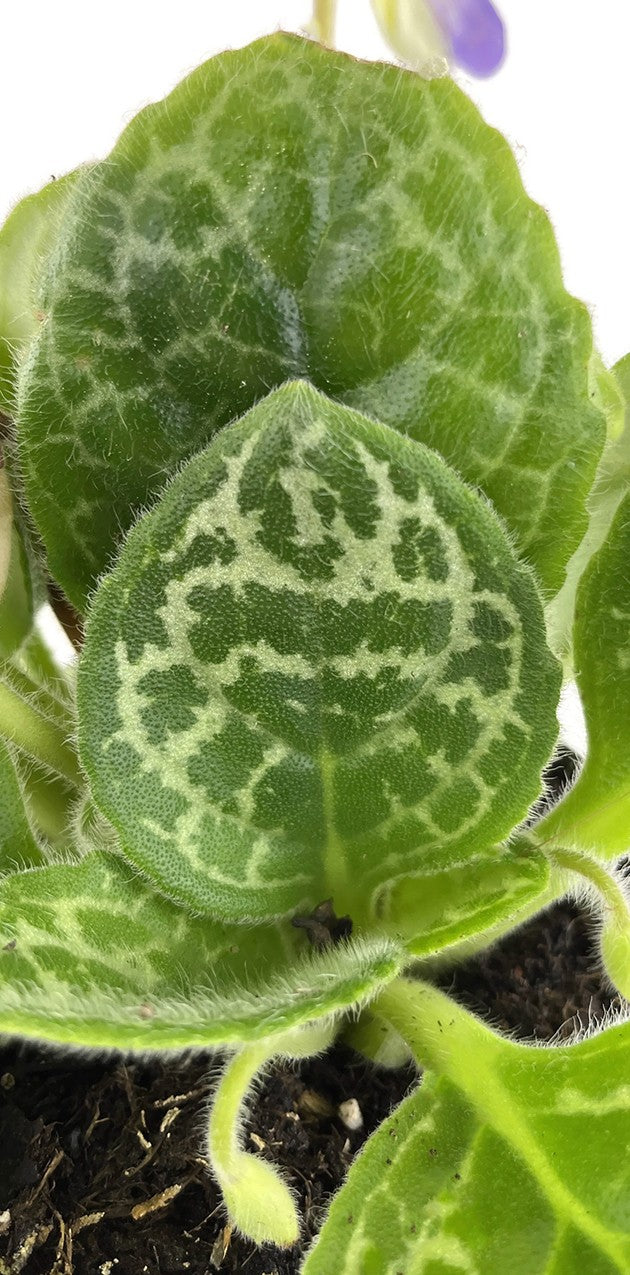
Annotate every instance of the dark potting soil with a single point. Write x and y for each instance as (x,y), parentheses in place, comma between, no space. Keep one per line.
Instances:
(101,1163)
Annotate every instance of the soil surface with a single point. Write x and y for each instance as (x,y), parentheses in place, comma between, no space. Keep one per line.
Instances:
(101,1163)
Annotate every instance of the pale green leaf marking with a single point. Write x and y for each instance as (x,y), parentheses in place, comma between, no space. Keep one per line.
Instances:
(443,909)
(26,239)
(596,813)
(288,211)
(318,668)
(91,956)
(514,1158)
(18,847)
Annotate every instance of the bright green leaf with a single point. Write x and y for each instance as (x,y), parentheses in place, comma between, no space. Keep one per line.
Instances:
(18,847)
(26,240)
(318,668)
(512,1159)
(437,911)
(90,955)
(290,212)
(596,813)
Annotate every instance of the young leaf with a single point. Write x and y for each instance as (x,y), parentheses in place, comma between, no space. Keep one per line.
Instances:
(18,847)
(511,1159)
(596,813)
(317,668)
(288,211)
(91,956)
(443,909)
(26,239)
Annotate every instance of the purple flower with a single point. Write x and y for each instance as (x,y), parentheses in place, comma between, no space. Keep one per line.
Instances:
(431,34)
(474,32)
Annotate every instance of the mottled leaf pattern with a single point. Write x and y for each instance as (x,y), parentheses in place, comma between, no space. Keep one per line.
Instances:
(317,669)
(514,1160)
(91,956)
(287,212)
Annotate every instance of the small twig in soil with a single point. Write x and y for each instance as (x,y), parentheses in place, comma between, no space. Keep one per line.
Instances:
(158,1201)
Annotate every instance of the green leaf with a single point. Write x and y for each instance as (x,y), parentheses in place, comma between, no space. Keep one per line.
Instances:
(596,813)
(91,956)
(443,909)
(26,239)
(16,602)
(318,668)
(6,525)
(18,847)
(16,593)
(612,483)
(513,1159)
(290,212)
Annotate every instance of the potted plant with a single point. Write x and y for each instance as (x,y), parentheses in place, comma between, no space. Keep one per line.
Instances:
(305,427)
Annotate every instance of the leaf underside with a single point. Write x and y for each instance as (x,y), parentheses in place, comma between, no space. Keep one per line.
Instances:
(290,212)
(317,669)
(91,956)
(443,1188)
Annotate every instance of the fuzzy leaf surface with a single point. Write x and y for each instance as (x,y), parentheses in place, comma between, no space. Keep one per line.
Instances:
(290,212)
(596,813)
(26,239)
(505,1161)
(18,847)
(443,909)
(91,956)
(317,668)
(612,483)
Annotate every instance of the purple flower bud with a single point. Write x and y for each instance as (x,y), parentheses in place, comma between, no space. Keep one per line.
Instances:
(474,32)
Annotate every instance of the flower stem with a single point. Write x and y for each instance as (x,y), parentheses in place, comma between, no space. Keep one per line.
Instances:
(322,24)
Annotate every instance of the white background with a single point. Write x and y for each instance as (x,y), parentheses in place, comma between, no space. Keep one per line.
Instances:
(73,72)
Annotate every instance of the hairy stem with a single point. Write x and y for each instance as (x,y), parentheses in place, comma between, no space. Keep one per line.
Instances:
(594,872)
(38,736)
(258,1201)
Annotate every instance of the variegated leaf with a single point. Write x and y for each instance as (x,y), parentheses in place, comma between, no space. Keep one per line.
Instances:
(289,211)
(91,956)
(513,1159)
(318,668)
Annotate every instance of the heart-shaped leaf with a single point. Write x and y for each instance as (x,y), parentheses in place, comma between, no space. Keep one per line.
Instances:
(513,1159)
(289,211)
(318,668)
(91,956)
